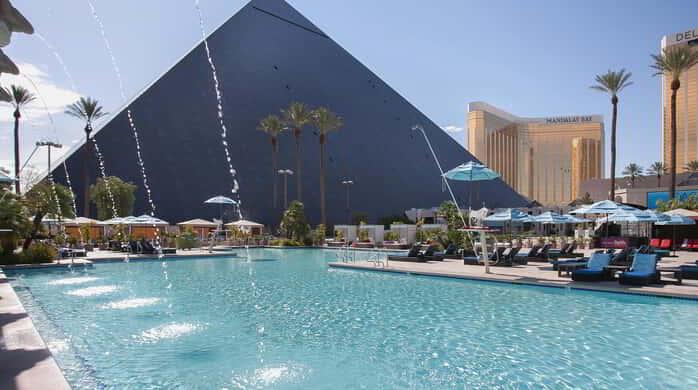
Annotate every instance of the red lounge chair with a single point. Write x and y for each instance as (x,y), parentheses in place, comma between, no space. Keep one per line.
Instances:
(655,242)
(693,244)
(665,244)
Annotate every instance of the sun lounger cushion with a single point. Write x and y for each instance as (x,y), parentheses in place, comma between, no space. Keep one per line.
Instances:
(595,269)
(642,272)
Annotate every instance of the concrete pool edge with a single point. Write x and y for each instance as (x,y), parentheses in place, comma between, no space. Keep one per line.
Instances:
(534,283)
(25,360)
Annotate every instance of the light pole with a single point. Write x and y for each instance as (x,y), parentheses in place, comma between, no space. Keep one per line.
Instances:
(347,184)
(49,145)
(285,173)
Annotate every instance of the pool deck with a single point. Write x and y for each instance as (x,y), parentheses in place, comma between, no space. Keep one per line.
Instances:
(25,361)
(537,274)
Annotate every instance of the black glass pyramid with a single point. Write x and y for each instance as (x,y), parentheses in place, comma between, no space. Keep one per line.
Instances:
(267,56)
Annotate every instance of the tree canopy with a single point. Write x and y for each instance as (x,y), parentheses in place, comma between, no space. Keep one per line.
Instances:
(124,197)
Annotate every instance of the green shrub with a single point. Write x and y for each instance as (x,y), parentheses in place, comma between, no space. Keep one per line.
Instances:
(391,236)
(285,242)
(39,252)
(187,240)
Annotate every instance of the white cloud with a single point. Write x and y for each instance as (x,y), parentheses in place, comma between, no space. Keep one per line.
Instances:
(56,97)
(452,129)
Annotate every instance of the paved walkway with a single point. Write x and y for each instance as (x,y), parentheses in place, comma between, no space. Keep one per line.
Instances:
(25,361)
(537,274)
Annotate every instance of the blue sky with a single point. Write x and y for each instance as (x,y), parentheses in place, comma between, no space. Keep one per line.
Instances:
(533,58)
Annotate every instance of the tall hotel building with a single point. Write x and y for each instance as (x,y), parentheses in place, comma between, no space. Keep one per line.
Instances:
(544,159)
(686,107)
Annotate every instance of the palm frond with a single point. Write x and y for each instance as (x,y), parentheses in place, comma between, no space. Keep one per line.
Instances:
(325,120)
(271,125)
(87,109)
(297,115)
(612,82)
(673,61)
(20,96)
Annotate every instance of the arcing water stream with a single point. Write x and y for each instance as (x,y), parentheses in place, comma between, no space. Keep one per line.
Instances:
(219,100)
(131,122)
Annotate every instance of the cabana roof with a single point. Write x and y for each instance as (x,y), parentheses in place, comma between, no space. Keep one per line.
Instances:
(198,222)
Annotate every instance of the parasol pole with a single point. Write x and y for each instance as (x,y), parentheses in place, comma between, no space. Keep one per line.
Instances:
(453,197)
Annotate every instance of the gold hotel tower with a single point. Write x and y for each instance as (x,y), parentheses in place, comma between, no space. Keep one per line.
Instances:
(544,159)
(686,107)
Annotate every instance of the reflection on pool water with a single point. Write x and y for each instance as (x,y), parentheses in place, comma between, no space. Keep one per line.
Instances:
(295,324)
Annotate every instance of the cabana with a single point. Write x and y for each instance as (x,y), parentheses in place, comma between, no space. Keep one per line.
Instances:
(406,233)
(144,226)
(72,228)
(375,233)
(348,231)
(201,227)
(247,227)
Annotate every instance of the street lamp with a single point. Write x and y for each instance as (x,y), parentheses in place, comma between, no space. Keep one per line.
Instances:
(49,145)
(347,184)
(285,173)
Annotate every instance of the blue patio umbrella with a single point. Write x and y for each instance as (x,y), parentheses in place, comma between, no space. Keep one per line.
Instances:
(573,219)
(606,207)
(221,200)
(471,171)
(603,207)
(551,218)
(631,217)
(510,217)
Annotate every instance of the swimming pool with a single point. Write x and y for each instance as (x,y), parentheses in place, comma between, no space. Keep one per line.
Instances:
(286,321)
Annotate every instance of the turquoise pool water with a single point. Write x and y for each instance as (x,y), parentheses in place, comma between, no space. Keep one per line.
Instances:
(288,322)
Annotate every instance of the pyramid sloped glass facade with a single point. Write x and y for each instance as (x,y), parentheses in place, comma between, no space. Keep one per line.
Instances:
(267,56)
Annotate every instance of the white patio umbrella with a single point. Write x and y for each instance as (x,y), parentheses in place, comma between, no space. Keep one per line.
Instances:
(221,200)
(605,207)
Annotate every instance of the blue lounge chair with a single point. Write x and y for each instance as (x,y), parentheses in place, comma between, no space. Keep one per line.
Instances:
(594,272)
(642,272)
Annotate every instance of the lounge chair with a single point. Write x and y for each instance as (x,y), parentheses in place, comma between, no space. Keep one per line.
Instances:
(533,252)
(594,271)
(509,258)
(642,272)
(542,255)
(412,255)
(624,257)
(430,254)
(689,271)
(147,247)
(494,257)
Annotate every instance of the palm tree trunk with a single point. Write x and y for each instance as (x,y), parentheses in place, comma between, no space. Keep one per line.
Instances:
(674,87)
(323,211)
(86,178)
(299,187)
(274,174)
(614,101)
(659,181)
(17,116)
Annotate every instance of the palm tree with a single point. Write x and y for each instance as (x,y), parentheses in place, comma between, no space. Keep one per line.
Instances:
(672,62)
(296,116)
(691,166)
(88,110)
(325,121)
(19,97)
(632,170)
(272,125)
(657,169)
(612,83)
